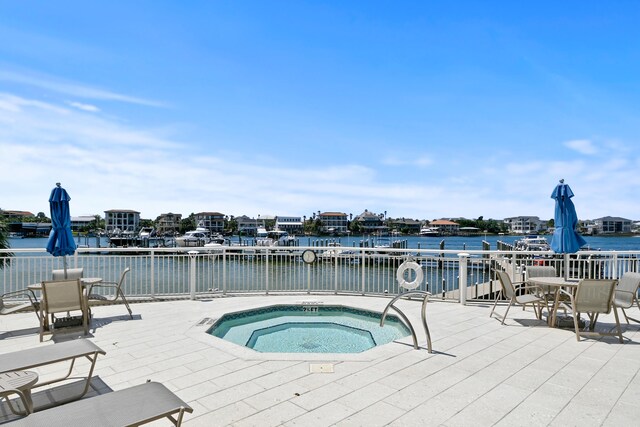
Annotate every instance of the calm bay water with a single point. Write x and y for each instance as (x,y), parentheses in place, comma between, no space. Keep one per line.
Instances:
(609,243)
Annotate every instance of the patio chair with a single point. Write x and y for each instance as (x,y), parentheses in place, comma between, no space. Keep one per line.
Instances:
(30,302)
(62,296)
(593,296)
(626,293)
(131,406)
(72,274)
(509,292)
(116,289)
(548,292)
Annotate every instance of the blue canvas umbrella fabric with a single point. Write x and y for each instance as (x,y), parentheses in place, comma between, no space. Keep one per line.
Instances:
(60,239)
(565,237)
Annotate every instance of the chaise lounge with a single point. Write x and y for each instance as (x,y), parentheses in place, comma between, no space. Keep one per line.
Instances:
(132,406)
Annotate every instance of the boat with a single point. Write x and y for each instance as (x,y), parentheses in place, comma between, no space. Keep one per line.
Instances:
(275,238)
(532,243)
(194,238)
(336,250)
(429,232)
(15,235)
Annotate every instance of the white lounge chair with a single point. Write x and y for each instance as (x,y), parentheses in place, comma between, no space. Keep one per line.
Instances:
(131,406)
(64,352)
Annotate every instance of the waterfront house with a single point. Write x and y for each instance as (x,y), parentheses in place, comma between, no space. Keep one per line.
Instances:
(334,223)
(371,223)
(246,226)
(290,224)
(212,221)
(78,223)
(168,223)
(121,220)
(405,225)
(525,224)
(613,225)
(446,227)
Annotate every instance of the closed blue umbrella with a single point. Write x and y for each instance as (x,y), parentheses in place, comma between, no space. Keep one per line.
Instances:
(60,239)
(565,237)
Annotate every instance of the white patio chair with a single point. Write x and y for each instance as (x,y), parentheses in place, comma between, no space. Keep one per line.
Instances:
(116,289)
(593,297)
(509,292)
(62,296)
(626,293)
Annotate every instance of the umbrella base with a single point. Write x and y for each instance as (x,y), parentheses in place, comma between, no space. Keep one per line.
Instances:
(566,322)
(67,322)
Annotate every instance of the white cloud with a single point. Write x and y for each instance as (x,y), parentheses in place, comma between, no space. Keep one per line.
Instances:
(73,89)
(408,160)
(84,107)
(582,146)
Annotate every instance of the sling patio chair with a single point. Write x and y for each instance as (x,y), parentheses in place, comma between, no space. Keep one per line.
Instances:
(626,293)
(509,292)
(593,297)
(28,301)
(116,292)
(62,296)
(72,274)
(549,293)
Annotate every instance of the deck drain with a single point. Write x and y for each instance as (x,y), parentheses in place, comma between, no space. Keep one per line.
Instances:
(321,368)
(205,321)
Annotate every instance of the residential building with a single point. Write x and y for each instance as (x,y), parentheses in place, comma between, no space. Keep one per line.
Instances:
(14,216)
(613,225)
(371,223)
(405,225)
(525,224)
(79,223)
(290,224)
(334,223)
(247,226)
(168,223)
(212,221)
(445,226)
(118,221)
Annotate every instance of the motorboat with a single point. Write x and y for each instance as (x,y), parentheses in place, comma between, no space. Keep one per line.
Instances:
(429,231)
(194,238)
(275,238)
(532,243)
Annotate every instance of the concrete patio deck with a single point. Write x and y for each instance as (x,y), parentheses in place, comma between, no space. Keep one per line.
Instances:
(481,372)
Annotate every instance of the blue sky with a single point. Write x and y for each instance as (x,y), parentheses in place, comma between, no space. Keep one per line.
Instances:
(421,109)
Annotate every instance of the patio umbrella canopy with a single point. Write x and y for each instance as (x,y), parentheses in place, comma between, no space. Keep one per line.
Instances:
(565,237)
(60,239)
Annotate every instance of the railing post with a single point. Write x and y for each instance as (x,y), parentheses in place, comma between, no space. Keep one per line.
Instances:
(192,273)
(224,271)
(266,272)
(153,275)
(462,277)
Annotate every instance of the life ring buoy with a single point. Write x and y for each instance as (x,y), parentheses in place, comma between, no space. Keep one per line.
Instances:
(409,265)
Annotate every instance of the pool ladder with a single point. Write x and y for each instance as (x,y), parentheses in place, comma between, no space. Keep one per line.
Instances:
(425,297)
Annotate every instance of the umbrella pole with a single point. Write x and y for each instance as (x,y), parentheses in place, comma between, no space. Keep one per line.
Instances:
(64,263)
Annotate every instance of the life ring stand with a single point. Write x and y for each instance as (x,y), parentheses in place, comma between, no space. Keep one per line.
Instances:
(409,265)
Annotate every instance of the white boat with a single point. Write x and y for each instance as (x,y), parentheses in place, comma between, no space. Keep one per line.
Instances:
(532,243)
(429,231)
(274,238)
(194,238)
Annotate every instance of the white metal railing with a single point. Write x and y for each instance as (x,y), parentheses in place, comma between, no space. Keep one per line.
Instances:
(157,272)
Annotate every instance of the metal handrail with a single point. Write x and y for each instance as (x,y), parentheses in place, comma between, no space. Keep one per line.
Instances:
(425,297)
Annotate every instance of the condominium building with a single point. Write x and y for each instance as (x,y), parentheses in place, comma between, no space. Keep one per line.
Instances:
(213,221)
(121,220)
(290,224)
(334,222)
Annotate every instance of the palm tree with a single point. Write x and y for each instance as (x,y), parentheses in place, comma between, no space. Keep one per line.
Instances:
(5,257)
